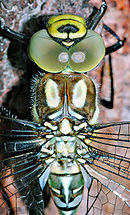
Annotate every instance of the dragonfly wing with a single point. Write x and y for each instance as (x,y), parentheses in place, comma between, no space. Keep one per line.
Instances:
(121,191)
(109,150)
(108,163)
(18,176)
(18,136)
(20,166)
(102,201)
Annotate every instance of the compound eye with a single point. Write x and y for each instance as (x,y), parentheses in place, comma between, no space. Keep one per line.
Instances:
(88,53)
(46,53)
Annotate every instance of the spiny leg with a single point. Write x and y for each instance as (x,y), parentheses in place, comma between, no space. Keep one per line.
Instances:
(109,50)
(98,16)
(117,45)
(10,34)
(104,102)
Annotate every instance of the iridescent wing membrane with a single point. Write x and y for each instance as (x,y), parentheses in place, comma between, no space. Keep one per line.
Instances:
(110,164)
(21,166)
(19,163)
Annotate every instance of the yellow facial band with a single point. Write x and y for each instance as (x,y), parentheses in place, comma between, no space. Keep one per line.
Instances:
(66,16)
(53,29)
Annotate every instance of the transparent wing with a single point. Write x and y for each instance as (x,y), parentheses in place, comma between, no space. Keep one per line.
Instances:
(16,179)
(108,146)
(20,166)
(101,201)
(20,136)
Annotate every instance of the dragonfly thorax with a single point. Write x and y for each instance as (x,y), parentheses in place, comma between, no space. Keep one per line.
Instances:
(65,147)
(64,100)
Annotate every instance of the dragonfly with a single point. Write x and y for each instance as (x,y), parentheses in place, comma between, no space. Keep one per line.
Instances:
(64,146)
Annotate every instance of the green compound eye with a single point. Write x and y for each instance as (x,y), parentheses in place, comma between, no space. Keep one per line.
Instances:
(88,53)
(46,53)
(54,58)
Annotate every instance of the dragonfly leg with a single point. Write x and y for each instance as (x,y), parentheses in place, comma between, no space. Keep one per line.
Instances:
(117,45)
(10,34)
(104,102)
(98,16)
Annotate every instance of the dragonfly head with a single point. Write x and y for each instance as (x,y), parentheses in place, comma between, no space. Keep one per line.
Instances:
(67,29)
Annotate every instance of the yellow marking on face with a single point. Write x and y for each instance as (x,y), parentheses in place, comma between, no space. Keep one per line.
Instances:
(68,43)
(66,16)
(57,22)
